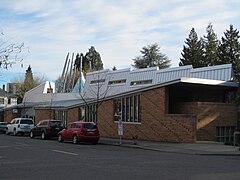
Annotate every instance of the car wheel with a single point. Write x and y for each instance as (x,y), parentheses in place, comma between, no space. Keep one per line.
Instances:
(75,140)
(60,139)
(31,134)
(43,135)
(14,132)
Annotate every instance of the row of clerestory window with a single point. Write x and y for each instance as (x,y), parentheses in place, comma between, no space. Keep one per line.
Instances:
(122,81)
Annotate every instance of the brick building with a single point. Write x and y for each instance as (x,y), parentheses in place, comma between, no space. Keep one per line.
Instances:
(173,105)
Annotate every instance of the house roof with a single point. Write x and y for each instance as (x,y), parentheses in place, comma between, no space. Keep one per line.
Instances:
(126,81)
(78,102)
(110,83)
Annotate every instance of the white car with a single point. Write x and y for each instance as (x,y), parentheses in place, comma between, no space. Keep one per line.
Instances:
(20,125)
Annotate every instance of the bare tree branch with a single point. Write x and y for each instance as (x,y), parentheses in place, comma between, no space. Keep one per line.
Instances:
(10,52)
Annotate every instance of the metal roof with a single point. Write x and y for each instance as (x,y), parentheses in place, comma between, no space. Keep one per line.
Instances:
(111,83)
(139,78)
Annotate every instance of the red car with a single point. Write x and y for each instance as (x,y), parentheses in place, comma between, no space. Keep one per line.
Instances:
(80,132)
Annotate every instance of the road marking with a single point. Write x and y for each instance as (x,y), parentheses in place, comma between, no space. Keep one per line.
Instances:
(65,152)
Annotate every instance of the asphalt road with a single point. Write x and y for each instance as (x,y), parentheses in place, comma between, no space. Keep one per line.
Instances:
(25,158)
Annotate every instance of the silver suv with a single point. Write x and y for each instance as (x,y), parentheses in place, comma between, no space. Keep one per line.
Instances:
(20,125)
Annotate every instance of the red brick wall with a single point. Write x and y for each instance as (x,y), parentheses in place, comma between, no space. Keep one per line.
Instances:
(215,114)
(106,125)
(155,124)
(9,115)
(73,115)
(41,114)
(160,126)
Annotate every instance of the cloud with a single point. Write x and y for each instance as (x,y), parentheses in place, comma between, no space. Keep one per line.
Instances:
(117,29)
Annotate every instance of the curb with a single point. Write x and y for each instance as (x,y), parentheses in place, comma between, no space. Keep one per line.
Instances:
(167,151)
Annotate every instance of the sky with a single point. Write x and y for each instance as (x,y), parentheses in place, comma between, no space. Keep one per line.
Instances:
(117,29)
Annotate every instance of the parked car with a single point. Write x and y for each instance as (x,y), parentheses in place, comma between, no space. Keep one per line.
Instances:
(3,127)
(47,129)
(80,132)
(20,125)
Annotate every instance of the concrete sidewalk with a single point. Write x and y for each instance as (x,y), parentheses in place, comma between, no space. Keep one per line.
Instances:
(198,148)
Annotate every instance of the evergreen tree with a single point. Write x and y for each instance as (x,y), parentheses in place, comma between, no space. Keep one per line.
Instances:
(28,81)
(114,68)
(211,43)
(229,50)
(193,51)
(27,85)
(151,57)
(92,60)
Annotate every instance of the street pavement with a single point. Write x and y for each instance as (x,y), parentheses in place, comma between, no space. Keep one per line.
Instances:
(198,148)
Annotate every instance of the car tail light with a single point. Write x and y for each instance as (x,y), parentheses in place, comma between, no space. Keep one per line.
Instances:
(49,128)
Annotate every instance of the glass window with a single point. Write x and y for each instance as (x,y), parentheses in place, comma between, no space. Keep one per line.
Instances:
(124,109)
(89,126)
(225,133)
(136,107)
(78,125)
(90,113)
(26,121)
(61,115)
(1,100)
(122,81)
(117,109)
(97,81)
(127,108)
(131,108)
(55,123)
(81,113)
(39,123)
(143,82)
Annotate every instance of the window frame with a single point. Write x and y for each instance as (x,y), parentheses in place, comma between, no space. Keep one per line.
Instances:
(225,133)
(90,112)
(129,110)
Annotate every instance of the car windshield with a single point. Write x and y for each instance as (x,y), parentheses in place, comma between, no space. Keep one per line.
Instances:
(89,126)
(3,123)
(55,123)
(26,121)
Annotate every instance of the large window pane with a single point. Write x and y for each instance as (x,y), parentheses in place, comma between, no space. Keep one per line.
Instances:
(127,108)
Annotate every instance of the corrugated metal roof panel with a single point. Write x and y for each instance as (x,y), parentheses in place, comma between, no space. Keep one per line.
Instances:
(170,74)
(220,72)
